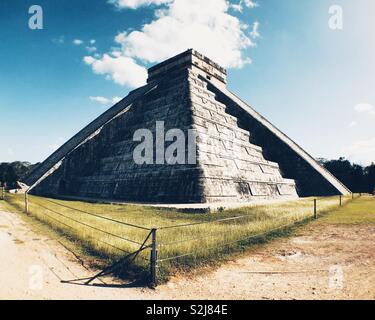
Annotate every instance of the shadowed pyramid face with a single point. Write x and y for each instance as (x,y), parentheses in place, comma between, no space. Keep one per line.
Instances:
(234,155)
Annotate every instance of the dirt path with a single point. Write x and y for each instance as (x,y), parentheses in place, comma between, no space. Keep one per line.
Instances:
(324,261)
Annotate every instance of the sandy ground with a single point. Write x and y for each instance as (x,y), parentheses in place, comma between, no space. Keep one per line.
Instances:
(322,261)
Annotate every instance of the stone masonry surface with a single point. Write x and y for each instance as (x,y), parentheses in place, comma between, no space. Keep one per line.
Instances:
(238,158)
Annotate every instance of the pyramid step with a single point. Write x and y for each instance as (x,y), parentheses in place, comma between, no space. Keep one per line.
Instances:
(229,166)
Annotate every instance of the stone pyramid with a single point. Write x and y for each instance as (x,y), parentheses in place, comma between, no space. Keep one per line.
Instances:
(240,156)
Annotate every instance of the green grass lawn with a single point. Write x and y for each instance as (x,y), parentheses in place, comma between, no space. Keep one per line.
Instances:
(361,211)
(206,241)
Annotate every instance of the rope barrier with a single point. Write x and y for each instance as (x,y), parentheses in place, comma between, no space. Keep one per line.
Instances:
(210,235)
(95,239)
(98,216)
(214,243)
(236,241)
(232,242)
(203,222)
(89,226)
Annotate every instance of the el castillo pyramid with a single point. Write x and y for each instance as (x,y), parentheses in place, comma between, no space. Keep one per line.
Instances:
(240,155)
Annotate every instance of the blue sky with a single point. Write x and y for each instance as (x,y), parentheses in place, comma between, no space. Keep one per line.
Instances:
(314,83)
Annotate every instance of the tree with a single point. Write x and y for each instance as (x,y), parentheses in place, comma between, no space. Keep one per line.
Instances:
(10,173)
(354,176)
(370,177)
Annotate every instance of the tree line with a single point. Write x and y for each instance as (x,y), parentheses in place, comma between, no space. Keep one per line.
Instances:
(12,172)
(356,177)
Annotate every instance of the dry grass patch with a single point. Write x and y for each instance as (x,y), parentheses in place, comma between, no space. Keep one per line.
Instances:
(199,239)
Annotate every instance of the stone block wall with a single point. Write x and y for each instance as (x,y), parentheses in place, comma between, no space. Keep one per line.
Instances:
(229,166)
(309,182)
(103,166)
(241,157)
(234,169)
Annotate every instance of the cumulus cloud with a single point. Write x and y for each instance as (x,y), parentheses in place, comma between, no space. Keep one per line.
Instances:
(122,70)
(105,101)
(249,3)
(365,108)
(77,42)
(255,32)
(362,151)
(236,7)
(134,4)
(178,25)
(91,49)
(243,3)
(205,26)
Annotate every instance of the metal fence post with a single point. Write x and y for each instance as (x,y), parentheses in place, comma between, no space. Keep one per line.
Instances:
(340,200)
(26,203)
(315,210)
(153,260)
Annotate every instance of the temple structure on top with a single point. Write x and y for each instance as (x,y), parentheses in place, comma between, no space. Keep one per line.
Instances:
(240,156)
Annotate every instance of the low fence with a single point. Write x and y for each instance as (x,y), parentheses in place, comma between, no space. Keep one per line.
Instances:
(98,234)
(153,250)
(208,240)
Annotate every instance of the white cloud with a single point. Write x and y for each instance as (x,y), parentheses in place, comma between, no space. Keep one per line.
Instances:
(240,5)
(89,60)
(255,32)
(236,7)
(353,124)
(362,151)
(60,40)
(203,25)
(365,108)
(54,147)
(105,101)
(122,70)
(134,4)
(92,41)
(250,4)
(206,26)
(57,144)
(116,99)
(91,49)
(77,42)
(101,100)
